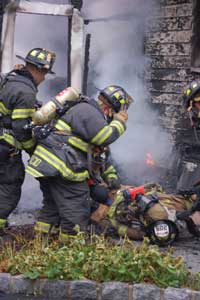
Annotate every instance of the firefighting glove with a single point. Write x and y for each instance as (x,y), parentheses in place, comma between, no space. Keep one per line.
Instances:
(113,183)
(121,116)
(99,193)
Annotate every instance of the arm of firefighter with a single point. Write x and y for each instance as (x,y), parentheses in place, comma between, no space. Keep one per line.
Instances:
(89,123)
(21,117)
(110,176)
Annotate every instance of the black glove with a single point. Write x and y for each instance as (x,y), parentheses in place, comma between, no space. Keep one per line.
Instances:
(113,183)
(99,193)
(41,132)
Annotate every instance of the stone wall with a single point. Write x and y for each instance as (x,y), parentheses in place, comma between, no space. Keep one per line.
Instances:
(168,44)
(90,290)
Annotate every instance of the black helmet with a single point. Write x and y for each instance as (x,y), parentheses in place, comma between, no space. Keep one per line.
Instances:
(190,91)
(162,232)
(41,58)
(116,97)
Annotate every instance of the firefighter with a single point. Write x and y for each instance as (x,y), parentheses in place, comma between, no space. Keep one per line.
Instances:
(192,102)
(143,216)
(61,160)
(18,101)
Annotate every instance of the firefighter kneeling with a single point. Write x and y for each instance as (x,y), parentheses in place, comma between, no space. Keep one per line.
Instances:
(148,211)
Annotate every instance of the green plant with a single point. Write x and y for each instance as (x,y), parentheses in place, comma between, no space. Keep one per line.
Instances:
(97,259)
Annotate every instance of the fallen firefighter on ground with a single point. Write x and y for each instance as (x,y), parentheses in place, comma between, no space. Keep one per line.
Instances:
(147,211)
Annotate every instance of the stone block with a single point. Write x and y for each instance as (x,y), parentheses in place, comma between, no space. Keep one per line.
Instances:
(177,294)
(52,289)
(83,290)
(162,62)
(178,10)
(115,291)
(169,37)
(5,282)
(19,284)
(174,2)
(196,295)
(146,292)
(169,24)
(170,49)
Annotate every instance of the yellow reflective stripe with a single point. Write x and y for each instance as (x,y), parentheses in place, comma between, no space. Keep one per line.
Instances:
(59,165)
(102,135)
(22,113)
(42,227)
(109,169)
(4,109)
(112,175)
(3,223)
(117,124)
(78,143)
(28,144)
(122,230)
(61,125)
(10,140)
(33,172)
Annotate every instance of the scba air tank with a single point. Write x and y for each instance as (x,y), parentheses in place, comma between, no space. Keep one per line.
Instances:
(48,111)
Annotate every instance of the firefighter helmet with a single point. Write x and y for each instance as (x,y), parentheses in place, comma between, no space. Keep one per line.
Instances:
(162,232)
(41,58)
(191,90)
(117,97)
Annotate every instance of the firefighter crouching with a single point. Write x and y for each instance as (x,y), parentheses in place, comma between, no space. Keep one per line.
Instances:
(17,103)
(147,211)
(61,158)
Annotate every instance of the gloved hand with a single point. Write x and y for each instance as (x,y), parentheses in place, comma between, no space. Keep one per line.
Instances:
(113,183)
(121,116)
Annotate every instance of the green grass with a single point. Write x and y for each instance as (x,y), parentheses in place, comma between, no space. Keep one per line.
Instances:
(96,258)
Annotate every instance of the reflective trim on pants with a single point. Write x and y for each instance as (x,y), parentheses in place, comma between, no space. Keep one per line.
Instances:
(3,223)
(42,227)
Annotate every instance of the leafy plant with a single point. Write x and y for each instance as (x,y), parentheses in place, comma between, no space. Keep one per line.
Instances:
(98,259)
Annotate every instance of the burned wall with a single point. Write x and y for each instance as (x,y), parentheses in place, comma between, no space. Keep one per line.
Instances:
(168,43)
(172,42)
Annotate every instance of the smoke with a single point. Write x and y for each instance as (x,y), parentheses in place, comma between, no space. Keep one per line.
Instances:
(117,57)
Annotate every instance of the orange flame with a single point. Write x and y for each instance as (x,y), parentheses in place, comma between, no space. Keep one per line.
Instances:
(149,160)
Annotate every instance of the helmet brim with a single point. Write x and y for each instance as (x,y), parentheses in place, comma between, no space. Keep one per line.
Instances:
(28,61)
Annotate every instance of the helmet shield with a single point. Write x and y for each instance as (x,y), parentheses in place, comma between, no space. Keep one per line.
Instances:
(162,232)
(41,58)
(116,97)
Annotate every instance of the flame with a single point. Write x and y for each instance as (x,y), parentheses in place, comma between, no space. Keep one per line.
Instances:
(149,160)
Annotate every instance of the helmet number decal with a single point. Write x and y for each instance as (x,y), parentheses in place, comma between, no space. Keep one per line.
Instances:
(161,230)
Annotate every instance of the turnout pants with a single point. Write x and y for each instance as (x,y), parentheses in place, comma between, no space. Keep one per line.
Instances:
(11,180)
(65,203)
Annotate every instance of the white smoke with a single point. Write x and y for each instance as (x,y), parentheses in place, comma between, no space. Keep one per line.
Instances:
(116,57)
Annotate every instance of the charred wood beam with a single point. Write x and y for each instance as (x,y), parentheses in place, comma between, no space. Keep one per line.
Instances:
(118,17)
(86,63)
(69,52)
